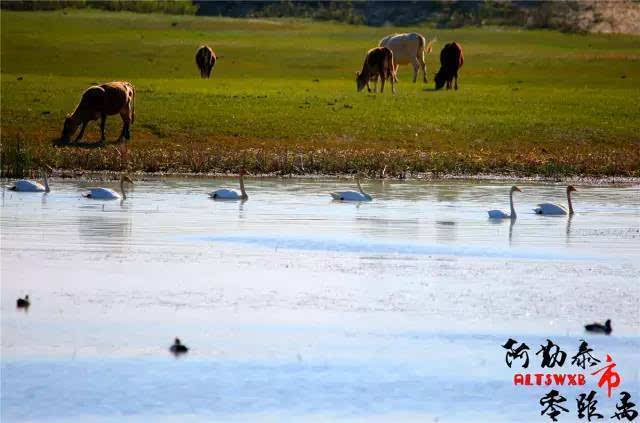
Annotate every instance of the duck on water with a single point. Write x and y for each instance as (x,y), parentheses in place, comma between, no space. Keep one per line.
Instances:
(599,328)
(178,347)
(23,302)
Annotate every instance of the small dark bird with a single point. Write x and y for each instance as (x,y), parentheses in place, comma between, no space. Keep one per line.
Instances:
(23,302)
(178,348)
(599,328)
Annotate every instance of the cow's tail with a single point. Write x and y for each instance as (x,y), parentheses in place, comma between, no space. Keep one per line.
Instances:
(133,103)
(429,46)
(391,68)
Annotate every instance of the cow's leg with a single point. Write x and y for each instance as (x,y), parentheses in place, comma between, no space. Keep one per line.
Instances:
(79,137)
(126,120)
(456,83)
(416,68)
(103,121)
(375,84)
(423,66)
(382,79)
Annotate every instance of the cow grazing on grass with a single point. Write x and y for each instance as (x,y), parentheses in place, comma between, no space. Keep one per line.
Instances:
(451,60)
(409,48)
(378,62)
(206,60)
(101,101)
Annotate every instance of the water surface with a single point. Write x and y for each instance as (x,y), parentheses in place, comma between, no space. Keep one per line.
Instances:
(299,307)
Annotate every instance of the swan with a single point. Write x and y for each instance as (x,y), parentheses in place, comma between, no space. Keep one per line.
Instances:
(108,193)
(352,195)
(25,185)
(499,214)
(599,328)
(229,194)
(178,348)
(554,209)
(23,302)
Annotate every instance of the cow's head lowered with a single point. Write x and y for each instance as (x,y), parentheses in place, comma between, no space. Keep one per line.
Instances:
(440,79)
(70,126)
(361,81)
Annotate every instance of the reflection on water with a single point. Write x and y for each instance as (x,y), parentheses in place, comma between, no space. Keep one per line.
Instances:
(446,231)
(105,227)
(293,286)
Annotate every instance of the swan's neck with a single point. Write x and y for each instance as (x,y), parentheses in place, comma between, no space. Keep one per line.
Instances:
(513,210)
(360,188)
(242,191)
(46,182)
(569,201)
(124,194)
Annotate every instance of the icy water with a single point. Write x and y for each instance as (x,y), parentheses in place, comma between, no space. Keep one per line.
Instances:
(298,308)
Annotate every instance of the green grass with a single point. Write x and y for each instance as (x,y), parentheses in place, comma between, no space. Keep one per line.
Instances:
(530,102)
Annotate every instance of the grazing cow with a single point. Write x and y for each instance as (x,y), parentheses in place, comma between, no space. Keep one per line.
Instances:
(378,62)
(206,60)
(451,60)
(409,48)
(100,101)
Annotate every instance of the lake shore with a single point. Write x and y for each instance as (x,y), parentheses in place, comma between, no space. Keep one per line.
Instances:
(63,175)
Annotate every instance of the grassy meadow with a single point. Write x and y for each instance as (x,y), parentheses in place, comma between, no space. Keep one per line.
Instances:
(282,99)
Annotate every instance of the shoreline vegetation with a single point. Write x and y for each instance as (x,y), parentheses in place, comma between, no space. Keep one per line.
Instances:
(532,103)
(95,176)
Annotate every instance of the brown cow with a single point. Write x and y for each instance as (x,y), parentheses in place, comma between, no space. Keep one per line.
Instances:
(206,60)
(378,62)
(451,60)
(100,101)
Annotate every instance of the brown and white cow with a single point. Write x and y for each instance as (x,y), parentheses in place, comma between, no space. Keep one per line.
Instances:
(101,101)
(451,60)
(409,48)
(206,60)
(377,63)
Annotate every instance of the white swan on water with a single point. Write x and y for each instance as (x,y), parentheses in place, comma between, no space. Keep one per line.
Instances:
(352,195)
(554,209)
(499,214)
(108,193)
(229,194)
(25,185)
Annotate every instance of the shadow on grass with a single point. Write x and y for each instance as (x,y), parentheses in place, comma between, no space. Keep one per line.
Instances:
(432,90)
